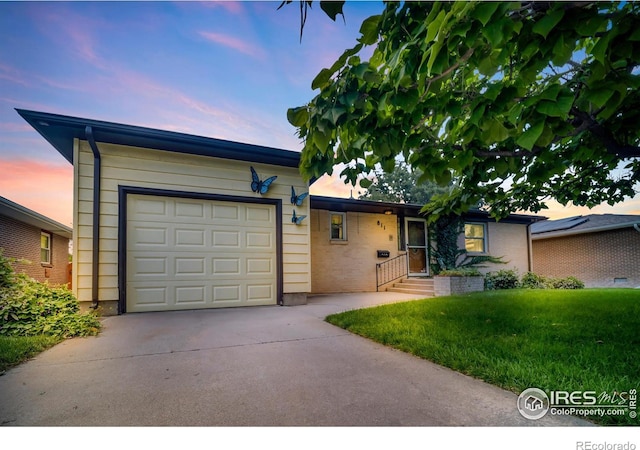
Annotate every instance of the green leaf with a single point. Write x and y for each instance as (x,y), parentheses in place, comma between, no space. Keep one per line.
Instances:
(333,114)
(544,26)
(548,108)
(365,183)
(434,26)
(369,30)
(321,79)
(332,8)
(497,131)
(494,33)
(530,136)
(298,116)
(484,11)
(321,141)
(599,97)
(325,74)
(562,51)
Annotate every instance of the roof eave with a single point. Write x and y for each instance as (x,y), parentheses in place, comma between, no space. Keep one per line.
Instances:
(60,131)
(572,232)
(30,217)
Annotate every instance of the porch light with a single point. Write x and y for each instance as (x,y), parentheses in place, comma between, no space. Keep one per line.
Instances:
(388,212)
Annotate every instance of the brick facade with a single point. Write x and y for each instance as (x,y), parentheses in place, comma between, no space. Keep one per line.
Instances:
(20,240)
(349,266)
(601,259)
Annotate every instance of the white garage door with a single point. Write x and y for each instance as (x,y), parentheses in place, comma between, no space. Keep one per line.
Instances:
(189,254)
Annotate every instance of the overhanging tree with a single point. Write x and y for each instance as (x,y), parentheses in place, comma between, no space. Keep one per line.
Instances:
(520,102)
(401,186)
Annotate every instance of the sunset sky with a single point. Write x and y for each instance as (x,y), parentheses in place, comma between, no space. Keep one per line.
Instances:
(227,70)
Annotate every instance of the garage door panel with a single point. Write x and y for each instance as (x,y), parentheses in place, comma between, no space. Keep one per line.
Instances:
(259,266)
(155,296)
(150,266)
(226,239)
(190,266)
(192,295)
(259,240)
(189,210)
(259,292)
(226,266)
(190,254)
(189,237)
(258,214)
(225,213)
(145,236)
(151,208)
(226,294)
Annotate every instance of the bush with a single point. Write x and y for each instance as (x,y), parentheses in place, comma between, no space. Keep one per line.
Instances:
(460,272)
(502,279)
(531,280)
(567,283)
(30,308)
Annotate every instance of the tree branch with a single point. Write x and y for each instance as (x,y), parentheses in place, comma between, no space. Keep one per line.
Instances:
(605,136)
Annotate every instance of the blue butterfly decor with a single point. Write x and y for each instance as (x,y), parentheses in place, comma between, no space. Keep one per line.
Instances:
(297,219)
(297,199)
(258,185)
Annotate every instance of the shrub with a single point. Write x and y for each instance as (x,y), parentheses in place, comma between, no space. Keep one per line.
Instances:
(531,280)
(461,272)
(30,308)
(502,279)
(567,283)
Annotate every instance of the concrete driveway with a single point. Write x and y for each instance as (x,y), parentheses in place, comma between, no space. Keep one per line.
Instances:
(259,366)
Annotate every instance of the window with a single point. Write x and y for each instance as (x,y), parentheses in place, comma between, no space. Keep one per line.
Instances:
(338,226)
(475,237)
(45,248)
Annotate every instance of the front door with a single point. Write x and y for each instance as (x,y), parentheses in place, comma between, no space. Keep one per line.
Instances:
(417,251)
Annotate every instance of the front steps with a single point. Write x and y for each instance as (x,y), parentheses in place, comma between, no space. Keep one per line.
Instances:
(419,286)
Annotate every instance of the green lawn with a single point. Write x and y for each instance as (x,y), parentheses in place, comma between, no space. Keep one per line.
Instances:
(550,339)
(14,350)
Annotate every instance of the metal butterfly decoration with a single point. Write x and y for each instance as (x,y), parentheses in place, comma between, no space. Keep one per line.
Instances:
(297,199)
(258,185)
(297,219)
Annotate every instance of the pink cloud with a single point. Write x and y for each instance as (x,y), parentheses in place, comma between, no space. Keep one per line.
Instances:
(231,7)
(234,43)
(44,188)
(12,127)
(333,186)
(12,75)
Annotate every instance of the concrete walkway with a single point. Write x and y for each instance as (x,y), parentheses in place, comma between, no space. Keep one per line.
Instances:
(257,366)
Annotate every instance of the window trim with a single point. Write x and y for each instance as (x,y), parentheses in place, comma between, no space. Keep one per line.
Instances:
(344,226)
(47,249)
(485,246)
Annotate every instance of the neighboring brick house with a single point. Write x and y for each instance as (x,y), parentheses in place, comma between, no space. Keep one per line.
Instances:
(602,250)
(27,235)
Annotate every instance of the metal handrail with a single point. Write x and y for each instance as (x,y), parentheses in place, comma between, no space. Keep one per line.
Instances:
(391,270)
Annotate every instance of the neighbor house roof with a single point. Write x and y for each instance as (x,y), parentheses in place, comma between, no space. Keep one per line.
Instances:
(60,131)
(20,213)
(583,224)
(411,210)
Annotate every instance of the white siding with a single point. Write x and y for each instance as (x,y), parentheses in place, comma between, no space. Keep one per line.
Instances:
(130,166)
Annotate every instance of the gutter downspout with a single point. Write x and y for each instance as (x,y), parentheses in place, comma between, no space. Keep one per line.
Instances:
(95,254)
(529,248)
